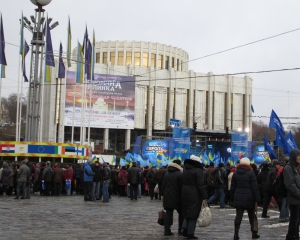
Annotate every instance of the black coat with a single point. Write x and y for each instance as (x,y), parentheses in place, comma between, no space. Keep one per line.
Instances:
(98,173)
(171,187)
(244,188)
(271,178)
(292,179)
(134,175)
(262,179)
(151,179)
(193,189)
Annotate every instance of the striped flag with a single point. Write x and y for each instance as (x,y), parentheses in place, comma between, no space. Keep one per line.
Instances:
(7,148)
(25,51)
(2,49)
(69,47)
(49,58)
(94,55)
(80,70)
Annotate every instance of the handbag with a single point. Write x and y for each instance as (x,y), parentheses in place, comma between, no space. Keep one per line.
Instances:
(161,217)
(204,219)
(156,188)
(255,222)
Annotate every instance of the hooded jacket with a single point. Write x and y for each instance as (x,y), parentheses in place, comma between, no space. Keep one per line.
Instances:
(292,179)
(193,189)
(88,173)
(244,188)
(106,172)
(171,187)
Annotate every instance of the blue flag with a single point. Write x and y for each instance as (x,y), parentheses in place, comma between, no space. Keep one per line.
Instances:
(61,66)
(252,109)
(290,142)
(275,121)
(24,53)
(283,143)
(122,162)
(279,140)
(49,48)
(269,148)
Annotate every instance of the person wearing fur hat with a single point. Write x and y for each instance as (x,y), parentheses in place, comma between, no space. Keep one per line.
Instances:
(171,192)
(245,195)
(192,195)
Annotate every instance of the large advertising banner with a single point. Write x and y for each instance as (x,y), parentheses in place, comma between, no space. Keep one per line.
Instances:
(152,146)
(180,144)
(111,97)
(239,146)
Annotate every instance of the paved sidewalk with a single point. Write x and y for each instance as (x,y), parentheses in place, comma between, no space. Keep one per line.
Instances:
(72,218)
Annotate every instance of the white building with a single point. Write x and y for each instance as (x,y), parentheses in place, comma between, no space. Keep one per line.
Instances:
(165,88)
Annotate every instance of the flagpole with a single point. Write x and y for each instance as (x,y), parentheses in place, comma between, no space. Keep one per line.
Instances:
(81,122)
(18,104)
(73,114)
(90,109)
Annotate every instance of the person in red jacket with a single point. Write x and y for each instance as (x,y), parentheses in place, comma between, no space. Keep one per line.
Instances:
(122,181)
(68,175)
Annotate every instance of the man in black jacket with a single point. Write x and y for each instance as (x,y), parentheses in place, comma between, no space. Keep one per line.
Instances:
(134,179)
(271,191)
(96,181)
(171,192)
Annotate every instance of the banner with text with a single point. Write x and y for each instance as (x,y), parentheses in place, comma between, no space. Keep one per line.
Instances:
(180,144)
(239,146)
(108,101)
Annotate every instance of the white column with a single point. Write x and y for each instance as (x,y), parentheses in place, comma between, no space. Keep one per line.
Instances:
(127,138)
(210,100)
(105,138)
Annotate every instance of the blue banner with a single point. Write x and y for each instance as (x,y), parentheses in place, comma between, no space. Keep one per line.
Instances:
(154,146)
(180,144)
(239,146)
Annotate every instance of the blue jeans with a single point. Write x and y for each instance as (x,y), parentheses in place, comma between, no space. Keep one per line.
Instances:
(219,194)
(139,190)
(95,190)
(293,232)
(24,189)
(189,225)
(284,211)
(105,190)
(128,191)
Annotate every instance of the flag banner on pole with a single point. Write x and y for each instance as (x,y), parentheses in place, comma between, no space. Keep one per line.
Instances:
(61,66)
(2,48)
(22,36)
(252,109)
(49,58)
(279,141)
(283,141)
(85,39)
(94,55)
(25,51)
(275,121)
(269,148)
(2,75)
(80,70)
(290,142)
(88,58)
(69,47)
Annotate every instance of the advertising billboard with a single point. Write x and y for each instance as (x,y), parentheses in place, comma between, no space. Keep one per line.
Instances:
(108,101)
(239,146)
(151,146)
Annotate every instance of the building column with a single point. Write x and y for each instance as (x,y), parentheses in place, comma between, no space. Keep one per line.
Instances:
(127,138)
(229,102)
(210,100)
(106,138)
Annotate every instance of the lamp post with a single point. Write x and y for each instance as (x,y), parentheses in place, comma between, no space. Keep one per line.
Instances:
(34,107)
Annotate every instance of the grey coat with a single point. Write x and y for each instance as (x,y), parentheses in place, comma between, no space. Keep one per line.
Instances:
(292,179)
(23,173)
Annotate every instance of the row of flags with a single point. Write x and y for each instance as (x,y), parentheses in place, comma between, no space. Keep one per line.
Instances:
(286,143)
(85,56)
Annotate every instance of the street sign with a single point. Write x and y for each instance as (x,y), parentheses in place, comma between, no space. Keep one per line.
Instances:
(175,122)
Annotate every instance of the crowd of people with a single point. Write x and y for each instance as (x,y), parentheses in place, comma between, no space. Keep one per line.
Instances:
(182,187)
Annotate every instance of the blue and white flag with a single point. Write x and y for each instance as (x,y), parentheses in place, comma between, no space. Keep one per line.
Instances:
(290,142)
(269,148)
(275,121)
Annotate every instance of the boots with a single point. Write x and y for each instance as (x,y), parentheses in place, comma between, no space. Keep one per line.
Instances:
(236,231)
(255,235)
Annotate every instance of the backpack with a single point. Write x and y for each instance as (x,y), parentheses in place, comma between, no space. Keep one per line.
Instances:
(279,186)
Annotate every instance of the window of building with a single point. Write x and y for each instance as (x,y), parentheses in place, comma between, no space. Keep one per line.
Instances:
(145,60)
(153,60)
(137,57)
(104,60)
(160,61)
(167,62)
(173,62)
(128,58)
(97,57)
(120,58)
(113,58)
(178,65)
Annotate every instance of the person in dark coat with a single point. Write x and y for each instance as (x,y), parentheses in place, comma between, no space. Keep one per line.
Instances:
(262,179)
(122,181)
(134,179)
(146,185)
(292,183)
(6,173)
(47,177)
(171,192)
(58,175)
(114,179)
(159,178)
(151,180)
(192,195)
(95,195)
(245,195)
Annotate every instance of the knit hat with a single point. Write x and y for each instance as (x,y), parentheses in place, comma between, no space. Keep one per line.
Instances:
(177,162)
(195,158)
(245,161)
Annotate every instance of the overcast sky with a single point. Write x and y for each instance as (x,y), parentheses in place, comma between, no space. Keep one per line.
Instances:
(198,27)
